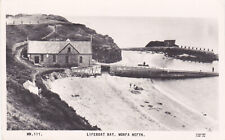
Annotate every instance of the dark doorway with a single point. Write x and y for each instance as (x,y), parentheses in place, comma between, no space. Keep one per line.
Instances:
(36,59)
(81,59)
(67,59)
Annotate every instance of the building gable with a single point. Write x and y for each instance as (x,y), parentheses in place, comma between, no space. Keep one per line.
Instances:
(69,49)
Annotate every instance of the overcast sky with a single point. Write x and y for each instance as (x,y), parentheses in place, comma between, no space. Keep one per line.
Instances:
(196,8)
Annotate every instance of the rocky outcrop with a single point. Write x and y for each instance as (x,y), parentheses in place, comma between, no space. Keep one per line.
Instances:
(165,43)
(155,44)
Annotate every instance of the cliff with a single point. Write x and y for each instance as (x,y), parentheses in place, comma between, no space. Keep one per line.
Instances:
(104,48)
(27,111)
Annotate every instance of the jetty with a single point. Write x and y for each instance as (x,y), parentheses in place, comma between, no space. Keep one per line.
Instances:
(157,73)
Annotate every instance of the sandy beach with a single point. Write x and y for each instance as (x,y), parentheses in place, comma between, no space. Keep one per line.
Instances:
(110,103)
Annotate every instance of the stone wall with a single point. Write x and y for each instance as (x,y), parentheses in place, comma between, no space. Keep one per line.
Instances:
(73,60)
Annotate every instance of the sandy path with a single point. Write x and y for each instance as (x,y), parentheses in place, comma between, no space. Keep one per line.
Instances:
(17,50)
(107,102)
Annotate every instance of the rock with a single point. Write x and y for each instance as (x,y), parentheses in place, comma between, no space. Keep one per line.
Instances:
(31,87)
(155,44)
(160,103)
(167,112)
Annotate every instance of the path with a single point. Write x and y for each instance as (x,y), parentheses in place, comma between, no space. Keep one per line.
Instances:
(17,49)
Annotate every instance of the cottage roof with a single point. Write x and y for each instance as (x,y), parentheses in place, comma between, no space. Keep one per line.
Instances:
(54,47)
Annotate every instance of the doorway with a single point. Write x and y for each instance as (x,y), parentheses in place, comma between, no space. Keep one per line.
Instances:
(36,59)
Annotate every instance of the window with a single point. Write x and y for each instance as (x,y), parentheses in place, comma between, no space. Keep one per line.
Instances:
(54,58)
(69,50)
(42,57)
(81,59)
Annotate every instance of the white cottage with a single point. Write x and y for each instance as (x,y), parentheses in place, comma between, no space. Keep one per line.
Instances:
(60,53)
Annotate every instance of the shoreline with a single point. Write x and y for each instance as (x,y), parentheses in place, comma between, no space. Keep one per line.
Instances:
(129,102)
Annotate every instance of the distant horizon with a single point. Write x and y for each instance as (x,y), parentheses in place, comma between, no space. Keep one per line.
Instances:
(137,31)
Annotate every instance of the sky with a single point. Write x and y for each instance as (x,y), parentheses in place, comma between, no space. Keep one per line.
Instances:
(178,8)
(137,8)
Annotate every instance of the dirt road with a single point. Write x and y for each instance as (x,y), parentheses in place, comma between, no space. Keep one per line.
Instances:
(17,49)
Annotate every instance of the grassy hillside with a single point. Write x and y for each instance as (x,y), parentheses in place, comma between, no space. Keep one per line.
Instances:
(104,47)
(27,111)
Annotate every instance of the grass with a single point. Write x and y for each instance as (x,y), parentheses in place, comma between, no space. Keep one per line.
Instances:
(50,112)
(27,111)
(104,48)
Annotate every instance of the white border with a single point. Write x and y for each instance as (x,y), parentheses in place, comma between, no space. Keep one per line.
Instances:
(3,66)
(46,135)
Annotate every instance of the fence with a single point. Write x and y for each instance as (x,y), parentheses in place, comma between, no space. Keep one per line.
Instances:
(88,71)
(22,22)
(195,48)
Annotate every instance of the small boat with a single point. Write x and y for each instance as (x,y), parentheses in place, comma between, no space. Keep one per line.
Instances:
(144,64)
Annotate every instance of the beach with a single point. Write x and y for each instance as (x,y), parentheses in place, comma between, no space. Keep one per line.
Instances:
(108,102)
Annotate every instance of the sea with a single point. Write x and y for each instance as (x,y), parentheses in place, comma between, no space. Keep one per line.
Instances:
(201,93)
(138,31)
